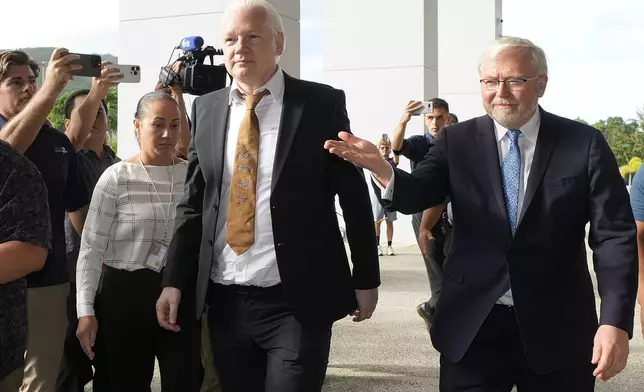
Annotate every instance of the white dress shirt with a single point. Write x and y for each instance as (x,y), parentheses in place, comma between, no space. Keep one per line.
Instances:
(125,216)
(527,143)
(258,265)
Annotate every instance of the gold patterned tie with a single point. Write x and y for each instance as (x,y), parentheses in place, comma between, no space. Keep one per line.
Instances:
(240,233)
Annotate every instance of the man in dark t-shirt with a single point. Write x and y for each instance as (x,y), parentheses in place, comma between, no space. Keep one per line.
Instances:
(23,112)
(86,125)
(25,237)
(431,243)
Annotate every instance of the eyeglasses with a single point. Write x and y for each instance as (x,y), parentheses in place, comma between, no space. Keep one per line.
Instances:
(513,84)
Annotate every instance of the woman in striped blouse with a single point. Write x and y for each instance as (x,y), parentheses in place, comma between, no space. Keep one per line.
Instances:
(123,246)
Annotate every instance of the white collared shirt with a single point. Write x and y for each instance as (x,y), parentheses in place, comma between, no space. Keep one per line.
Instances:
(527,144)
(258,265)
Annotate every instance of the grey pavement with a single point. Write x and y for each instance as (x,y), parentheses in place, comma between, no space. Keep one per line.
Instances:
(392,352)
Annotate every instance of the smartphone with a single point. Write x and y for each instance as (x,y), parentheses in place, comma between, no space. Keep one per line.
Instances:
(426,108)
(131,73)
(385,138)
(91,65)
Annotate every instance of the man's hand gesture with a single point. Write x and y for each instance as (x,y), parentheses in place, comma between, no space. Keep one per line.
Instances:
(362,153)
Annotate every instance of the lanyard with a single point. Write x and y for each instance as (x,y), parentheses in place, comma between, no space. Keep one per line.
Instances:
(165,216)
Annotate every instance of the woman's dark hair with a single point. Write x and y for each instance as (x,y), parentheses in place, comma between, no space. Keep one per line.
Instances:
(144,102)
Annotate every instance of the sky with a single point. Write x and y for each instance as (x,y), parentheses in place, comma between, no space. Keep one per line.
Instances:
(595,47)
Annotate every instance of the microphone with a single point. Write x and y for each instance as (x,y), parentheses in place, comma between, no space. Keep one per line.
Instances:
(190,44)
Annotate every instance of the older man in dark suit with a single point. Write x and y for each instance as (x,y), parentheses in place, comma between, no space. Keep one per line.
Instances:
(257,230)
(517,304)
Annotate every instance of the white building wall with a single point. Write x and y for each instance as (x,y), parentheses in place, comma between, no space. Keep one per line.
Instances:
(466,28)
(381,53)
(149,30)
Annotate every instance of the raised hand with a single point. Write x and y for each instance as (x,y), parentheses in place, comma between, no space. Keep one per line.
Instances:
(410,108)
(59,70)
(109,78)
(361,153)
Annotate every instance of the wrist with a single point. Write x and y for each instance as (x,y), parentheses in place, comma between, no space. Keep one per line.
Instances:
(50,89)
(95,95)
(383,172)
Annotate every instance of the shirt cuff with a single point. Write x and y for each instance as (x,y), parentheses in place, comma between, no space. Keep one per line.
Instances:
(85,304)
(388,191)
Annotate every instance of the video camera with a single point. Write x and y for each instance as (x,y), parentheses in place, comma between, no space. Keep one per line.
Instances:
(194,76)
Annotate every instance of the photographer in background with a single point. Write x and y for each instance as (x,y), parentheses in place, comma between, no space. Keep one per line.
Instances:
(86,126)
(177,93)
(415,148)
(23,111)
(379,212)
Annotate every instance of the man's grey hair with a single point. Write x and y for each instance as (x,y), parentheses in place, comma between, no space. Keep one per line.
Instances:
(539,59)
(274,18)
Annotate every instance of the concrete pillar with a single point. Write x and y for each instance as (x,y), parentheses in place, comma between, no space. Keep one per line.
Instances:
(382,53)
(462,37)
(148,31)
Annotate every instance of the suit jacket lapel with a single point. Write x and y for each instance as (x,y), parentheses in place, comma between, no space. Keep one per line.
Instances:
(546,143)
(220,131)
(487,143)
(292,108)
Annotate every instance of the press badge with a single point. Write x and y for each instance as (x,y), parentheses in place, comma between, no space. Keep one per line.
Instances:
(156,256)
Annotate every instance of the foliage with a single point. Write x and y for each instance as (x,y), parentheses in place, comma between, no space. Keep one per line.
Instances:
(624,137)
(631,167)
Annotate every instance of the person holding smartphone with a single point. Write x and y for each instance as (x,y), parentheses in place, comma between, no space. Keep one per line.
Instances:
(430,241)
(379,212)
(23,121)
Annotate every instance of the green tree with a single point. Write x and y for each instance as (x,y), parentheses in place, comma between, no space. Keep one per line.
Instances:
(623,137)
(640,118)
(57,115)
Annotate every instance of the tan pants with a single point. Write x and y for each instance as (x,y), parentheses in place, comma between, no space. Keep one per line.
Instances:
(12,382)
(47,317)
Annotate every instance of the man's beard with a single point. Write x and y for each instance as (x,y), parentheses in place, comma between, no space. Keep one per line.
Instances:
(512,119)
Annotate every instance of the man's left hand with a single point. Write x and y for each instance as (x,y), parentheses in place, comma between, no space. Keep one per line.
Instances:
(367,300)
(610,352)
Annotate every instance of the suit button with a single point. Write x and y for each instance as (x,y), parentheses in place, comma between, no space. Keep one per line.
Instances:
(210,242)
(274,207)
(281,244)
(215,207)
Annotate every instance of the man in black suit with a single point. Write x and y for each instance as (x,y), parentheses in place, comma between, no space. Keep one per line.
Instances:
(517,305)
(272,294)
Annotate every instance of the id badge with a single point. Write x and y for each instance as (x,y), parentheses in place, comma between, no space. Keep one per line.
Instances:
(156,256)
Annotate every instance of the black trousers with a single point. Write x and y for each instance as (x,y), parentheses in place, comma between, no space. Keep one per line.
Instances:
(75,367)
(259,346)
(495,362)
(129,337)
